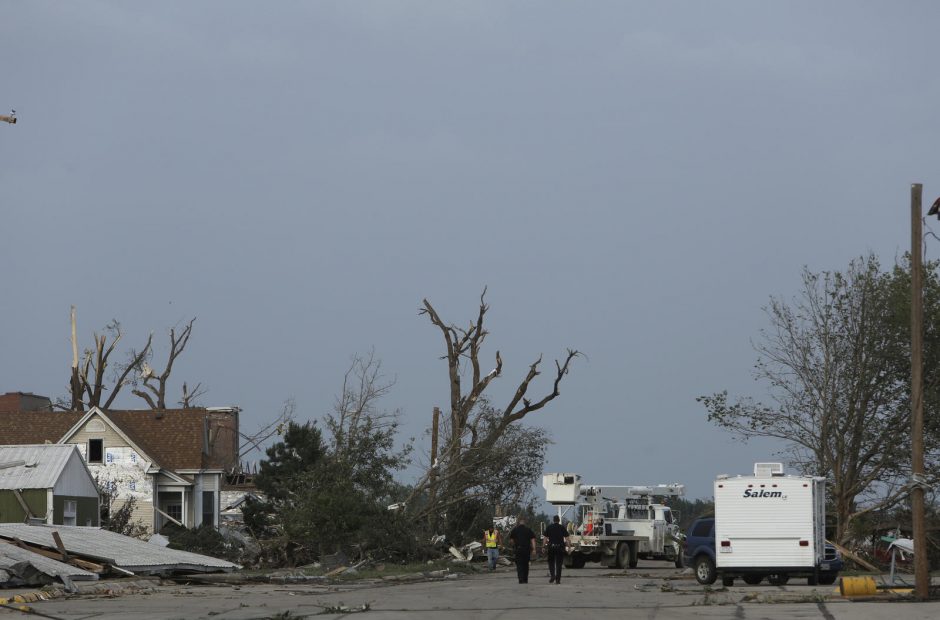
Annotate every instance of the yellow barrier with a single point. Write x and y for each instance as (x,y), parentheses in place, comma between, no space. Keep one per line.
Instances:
(857,586)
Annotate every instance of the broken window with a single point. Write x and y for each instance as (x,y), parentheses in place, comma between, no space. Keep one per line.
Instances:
(95,450)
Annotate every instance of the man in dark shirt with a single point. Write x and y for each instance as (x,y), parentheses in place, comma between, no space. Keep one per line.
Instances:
(523,543)
(556,540)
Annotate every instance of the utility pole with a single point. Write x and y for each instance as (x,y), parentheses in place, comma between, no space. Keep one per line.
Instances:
(921,569)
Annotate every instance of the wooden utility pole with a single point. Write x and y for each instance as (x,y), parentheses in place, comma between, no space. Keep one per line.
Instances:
(921,571)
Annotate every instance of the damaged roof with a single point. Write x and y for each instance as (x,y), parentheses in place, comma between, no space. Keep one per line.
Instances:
(115,549)
(176,439)
(33,467)
(12,559)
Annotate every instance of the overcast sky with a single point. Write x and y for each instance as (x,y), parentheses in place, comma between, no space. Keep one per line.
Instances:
(633,180)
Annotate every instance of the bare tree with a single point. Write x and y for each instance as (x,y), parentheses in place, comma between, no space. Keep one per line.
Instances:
(87,383)
(277,426)
(94,375)
(355,410)
(189,396)
(472,433)
(152,386)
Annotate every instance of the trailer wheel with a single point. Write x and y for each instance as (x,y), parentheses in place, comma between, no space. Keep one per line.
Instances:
(753,580)
(779,579)
(705,570)
(727,581)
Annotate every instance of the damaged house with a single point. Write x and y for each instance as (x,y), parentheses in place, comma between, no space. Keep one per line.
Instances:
(173,462)
(48,484)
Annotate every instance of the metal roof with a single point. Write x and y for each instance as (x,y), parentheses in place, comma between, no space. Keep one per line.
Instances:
(11,555)
(122,551)
(33,467)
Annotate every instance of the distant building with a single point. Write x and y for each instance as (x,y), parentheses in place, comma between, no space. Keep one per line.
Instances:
(24,401)
(172,461)
(46,483)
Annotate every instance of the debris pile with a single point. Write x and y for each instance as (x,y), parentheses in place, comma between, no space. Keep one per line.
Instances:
(44,554)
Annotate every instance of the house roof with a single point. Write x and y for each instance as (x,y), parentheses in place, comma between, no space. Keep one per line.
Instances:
(173,438)
(36,427)
(37,466)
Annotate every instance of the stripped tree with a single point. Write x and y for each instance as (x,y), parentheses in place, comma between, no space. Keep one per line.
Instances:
(474,431)
(151,386)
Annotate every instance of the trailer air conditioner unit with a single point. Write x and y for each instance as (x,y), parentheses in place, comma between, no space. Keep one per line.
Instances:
(766,470)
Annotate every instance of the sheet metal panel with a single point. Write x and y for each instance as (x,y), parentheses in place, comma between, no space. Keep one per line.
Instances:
(11,554)
(122,551)
(43,465)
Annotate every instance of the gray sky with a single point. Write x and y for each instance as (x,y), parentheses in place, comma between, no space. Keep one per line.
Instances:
(633,180)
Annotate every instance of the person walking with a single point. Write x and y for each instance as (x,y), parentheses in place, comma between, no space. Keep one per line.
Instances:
(523,543)
(492,540)
(556,540)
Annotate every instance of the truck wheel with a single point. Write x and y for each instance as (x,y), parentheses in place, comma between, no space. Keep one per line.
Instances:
(579,561)
(727,581)
(634,553)
(827,579)
(569,560)
(705,570)
(753,580)
(623,555)
(779,579)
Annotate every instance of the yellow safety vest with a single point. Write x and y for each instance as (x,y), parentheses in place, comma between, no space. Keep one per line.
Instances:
(490,536)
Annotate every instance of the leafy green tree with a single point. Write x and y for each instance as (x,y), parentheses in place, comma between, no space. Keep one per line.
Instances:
(300,451)
(833,360)
(329,495)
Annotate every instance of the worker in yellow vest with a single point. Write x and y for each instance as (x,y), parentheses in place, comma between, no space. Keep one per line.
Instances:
(492,541)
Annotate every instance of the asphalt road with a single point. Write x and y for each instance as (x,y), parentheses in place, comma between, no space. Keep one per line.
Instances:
(651,592)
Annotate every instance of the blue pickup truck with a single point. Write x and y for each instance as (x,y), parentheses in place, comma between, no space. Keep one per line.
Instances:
(699,553)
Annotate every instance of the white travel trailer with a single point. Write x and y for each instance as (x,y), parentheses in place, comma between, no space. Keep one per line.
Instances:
(772,525)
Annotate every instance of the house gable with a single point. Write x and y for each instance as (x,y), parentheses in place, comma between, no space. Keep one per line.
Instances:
(96,424)
(75,478)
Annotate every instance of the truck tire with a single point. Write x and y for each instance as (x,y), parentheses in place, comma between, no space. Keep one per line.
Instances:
(827,579)
(623,555)
(727,581)
(680,563)
(778,579)
(569,560)
(753,580)
(634,553)
(579,561)
(705,572)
